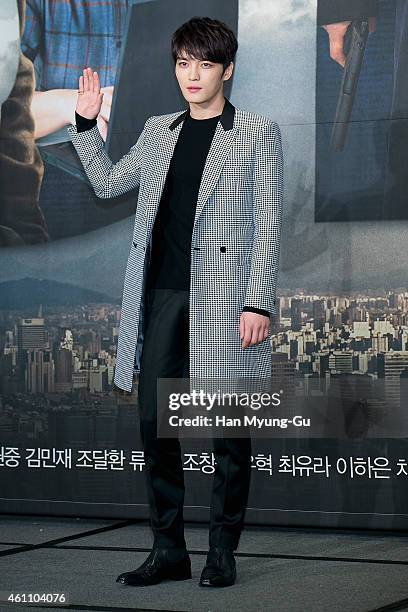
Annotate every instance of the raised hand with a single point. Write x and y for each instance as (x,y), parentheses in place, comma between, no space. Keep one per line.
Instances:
(90,95)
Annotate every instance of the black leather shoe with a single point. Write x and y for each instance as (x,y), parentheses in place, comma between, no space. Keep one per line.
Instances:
(156,568)
(220,568)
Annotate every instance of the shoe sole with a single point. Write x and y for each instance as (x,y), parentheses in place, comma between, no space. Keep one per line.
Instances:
(185,575)
(224,584)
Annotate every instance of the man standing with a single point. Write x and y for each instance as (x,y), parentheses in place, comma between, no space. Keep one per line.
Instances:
(200,282)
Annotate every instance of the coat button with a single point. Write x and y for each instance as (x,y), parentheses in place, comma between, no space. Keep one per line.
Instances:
(223,249)
(135,244)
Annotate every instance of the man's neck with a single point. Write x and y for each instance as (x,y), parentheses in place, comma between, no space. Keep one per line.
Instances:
(208,109)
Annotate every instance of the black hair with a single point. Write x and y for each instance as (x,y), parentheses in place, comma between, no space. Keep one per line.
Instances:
(205,38)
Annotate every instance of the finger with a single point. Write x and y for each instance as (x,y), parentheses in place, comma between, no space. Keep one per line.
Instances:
(246,342)
(266,333)
(261,335)
(241,327)
(85,79)
(247,336)
(256,332)
(254,335)
(336,48)
(96,81)
(81,83)
(90,79)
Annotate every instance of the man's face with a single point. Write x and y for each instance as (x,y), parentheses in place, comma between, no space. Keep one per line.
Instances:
(206,77)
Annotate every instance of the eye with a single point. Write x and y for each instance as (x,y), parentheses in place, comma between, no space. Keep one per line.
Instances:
(207,64)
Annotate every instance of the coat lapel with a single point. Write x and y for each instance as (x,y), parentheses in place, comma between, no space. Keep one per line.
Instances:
(166,142)
(224,136)
(217,155)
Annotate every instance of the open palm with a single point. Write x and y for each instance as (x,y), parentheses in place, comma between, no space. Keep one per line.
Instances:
(90,101)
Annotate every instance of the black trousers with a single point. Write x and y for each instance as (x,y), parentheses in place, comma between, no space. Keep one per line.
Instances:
(166,354)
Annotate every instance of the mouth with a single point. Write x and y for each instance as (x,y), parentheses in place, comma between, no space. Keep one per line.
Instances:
(194,88)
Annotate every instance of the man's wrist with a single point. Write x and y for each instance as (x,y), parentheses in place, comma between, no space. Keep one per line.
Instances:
(83,124)
(261,311)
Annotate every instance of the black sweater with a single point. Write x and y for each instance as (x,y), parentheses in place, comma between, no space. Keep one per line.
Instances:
(173,227)
(171,237)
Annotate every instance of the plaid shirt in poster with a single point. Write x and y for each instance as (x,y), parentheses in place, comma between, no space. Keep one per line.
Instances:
(63,36)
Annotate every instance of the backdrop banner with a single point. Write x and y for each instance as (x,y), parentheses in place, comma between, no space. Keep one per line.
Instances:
(329,450)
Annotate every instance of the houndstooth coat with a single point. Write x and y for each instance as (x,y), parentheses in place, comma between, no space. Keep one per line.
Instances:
(235,244)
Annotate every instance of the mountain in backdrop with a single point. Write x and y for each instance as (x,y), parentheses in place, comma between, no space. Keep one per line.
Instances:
(29,292)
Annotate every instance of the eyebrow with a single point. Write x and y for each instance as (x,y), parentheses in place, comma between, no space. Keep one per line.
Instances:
(183,57)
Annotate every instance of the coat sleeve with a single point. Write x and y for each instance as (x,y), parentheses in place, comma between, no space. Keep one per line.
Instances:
(108,180)
(334,11)
(267,215)
(261,311)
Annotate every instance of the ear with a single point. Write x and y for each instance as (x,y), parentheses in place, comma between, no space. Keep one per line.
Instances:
(228,71)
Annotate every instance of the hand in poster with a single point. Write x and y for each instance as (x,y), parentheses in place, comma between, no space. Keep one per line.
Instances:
(337,32)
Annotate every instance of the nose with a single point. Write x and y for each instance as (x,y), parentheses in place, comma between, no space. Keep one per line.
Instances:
(193,73)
